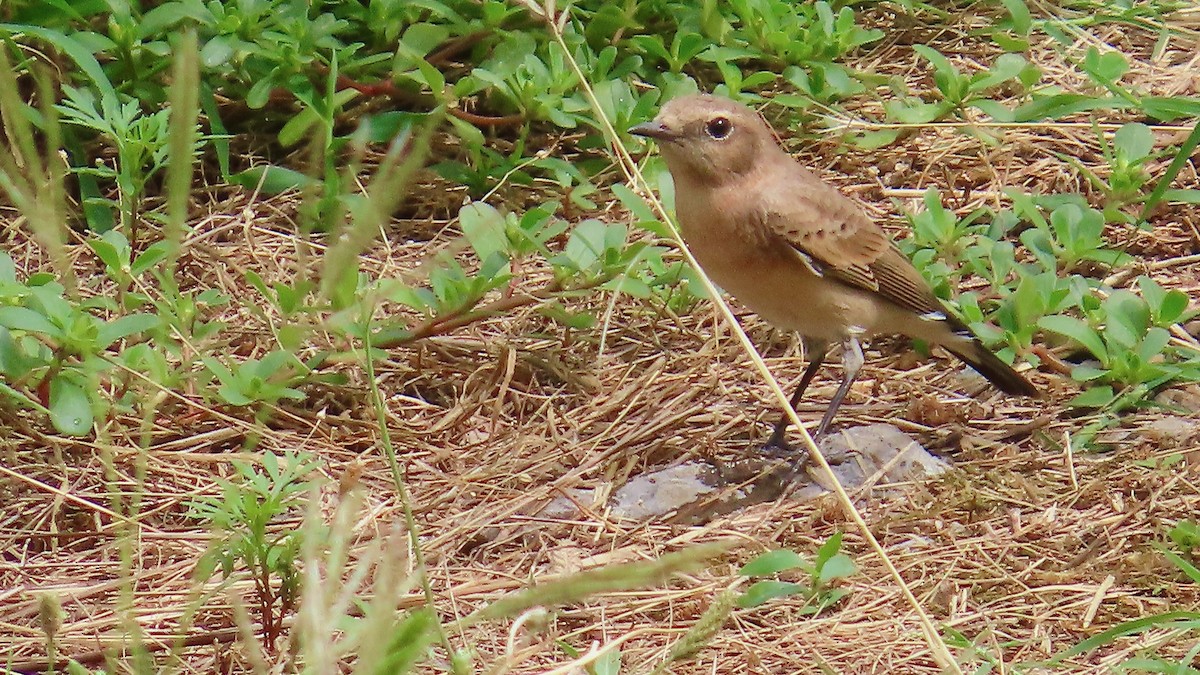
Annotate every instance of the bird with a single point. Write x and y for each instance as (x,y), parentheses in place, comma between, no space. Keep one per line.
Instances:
(795,250)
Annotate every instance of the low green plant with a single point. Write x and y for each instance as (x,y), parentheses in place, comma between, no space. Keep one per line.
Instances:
(1013,320)
(940,231)
(818,591)
(595,255)
(682,49)
(1126,155)
(139,139)
(126,269)
(533,78)
(1128,336)
(797,33)
(959,91)
(259,383)
(246,538)
(1072,235)
(56,355)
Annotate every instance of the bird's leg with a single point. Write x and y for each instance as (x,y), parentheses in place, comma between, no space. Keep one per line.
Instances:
(815,351)
(852,362)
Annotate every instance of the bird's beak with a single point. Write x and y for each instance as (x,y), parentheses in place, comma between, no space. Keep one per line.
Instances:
(654,129)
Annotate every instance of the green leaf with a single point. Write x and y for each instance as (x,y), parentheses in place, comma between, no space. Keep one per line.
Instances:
(1182,157)
(112,248)
(1096,397)
(873,140)
(8,269)
(1019,12)
(577,320)
(154,254)
(1078,331)
(1107,67)
(217,51)
(1087,373)
(1057,106)
(633,202)
(1009,43)
(1006,67)
(1186,535)
(422,38)
(918,113)
(833,545)
(1134,140)
(609,663)
(21,318)
(946,76)
(765,591)
(994,109)
(631,286)
(1153,343)
(839,566)
(272,180)
(1128,318)
(432,77)
(70,407)
(1181,196)
(124,326)
(299,126)
(1184,565)
(232,394)
(485,228)
(773,562)
(1172,308)
(615,235)
(1167,109)
(586,244)
(468,133)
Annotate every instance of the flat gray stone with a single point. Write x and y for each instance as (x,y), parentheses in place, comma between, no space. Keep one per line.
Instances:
(695,492)
(875,454)
(661,492)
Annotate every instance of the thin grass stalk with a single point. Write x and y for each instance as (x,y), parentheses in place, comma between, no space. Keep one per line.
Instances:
(185,111)
(400,481)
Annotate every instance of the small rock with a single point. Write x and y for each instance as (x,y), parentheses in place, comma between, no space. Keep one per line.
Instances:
(876,453)
(696,492)
(661,492)
(565,506)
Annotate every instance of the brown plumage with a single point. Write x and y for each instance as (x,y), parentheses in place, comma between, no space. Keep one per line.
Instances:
(794,249)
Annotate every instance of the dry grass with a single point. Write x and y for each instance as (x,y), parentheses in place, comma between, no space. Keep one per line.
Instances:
(1025,549)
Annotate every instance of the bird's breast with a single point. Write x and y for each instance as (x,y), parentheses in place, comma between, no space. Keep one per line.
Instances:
(764,275)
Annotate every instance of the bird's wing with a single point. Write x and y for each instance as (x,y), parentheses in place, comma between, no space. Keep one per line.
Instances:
(838,241)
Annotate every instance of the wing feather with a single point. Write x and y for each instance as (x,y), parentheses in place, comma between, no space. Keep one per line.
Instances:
(837,240)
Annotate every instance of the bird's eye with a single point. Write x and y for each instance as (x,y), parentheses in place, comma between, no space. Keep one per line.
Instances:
(719,128)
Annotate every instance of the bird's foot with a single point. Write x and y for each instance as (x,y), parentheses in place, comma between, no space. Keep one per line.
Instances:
(777,447)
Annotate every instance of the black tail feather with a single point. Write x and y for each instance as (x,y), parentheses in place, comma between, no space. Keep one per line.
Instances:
(996,371)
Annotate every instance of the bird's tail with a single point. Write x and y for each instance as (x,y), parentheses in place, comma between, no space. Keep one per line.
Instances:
(996,371)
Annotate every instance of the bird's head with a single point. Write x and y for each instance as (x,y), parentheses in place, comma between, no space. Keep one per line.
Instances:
(708,138)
